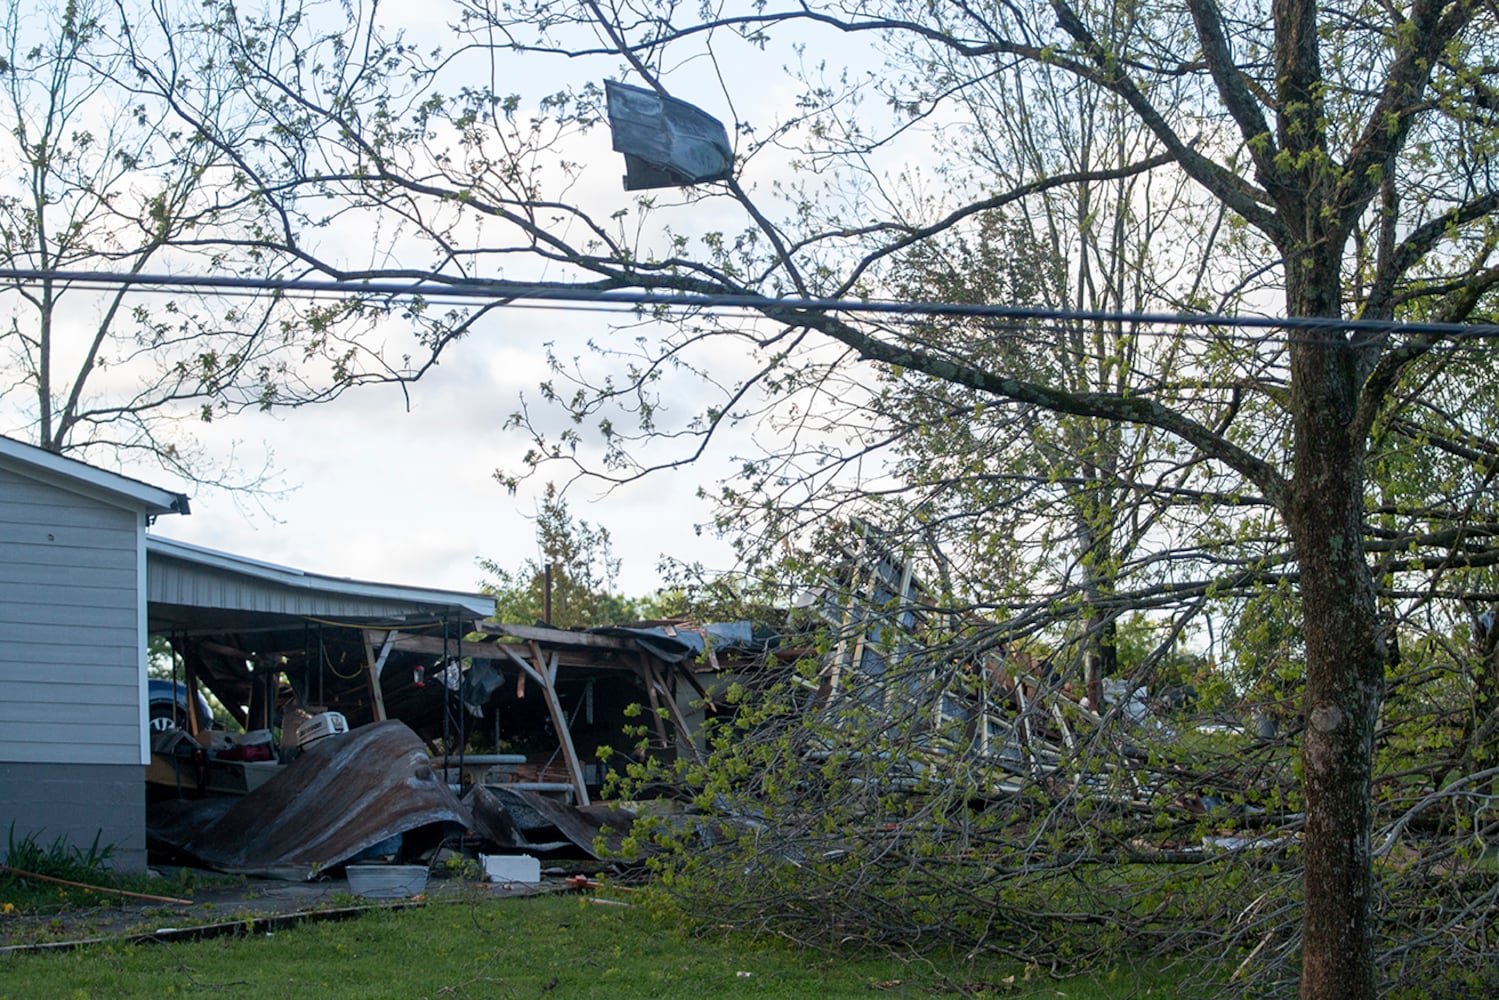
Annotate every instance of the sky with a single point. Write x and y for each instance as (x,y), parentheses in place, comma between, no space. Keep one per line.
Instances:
(389,494)
(379,490)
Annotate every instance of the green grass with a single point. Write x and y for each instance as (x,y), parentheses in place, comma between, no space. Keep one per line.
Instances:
(58,858)
(555,946)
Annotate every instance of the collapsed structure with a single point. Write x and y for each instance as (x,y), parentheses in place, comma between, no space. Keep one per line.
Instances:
(304,663)
(533,717)
(897,654)
(525,722)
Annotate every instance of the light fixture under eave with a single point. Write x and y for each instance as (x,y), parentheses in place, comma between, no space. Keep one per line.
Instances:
(666,142)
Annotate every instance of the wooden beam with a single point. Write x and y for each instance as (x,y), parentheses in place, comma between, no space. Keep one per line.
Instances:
(376,665)
(650,689)
(371,636)
(192,697)
(520,661)
(697,685)
(219,649)
(684,732)
(548,667)
(544,672)
(564,734)
(432,645)
(557,636)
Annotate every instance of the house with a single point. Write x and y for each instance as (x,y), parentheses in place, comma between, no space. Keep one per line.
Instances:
(73,744)
(82,588)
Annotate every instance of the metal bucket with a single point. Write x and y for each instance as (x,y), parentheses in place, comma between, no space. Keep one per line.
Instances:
(387,881)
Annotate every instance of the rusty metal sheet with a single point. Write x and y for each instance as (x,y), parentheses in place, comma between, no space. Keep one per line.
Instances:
(341,795)
(495,823)
(527,820)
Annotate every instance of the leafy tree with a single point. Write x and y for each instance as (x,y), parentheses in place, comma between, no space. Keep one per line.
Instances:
(692,593)
(131,148)
(1341,151)
(1317,123)
(1050,505)
(573,578)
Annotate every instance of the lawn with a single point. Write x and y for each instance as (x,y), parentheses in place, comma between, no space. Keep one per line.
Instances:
(471,946)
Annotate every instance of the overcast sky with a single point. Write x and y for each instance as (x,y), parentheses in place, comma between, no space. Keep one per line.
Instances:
(381,493)
(409,497)
(377,491)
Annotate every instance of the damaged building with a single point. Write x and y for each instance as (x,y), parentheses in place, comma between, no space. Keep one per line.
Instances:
(296,665)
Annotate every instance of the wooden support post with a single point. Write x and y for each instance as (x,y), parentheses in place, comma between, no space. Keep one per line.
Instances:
(527,670)
(192,698)
(376,666)
(697,686)
(684,733)
(644,669)
(545,672)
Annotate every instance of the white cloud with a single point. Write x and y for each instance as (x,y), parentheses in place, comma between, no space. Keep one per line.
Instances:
(387,493)
(407,496)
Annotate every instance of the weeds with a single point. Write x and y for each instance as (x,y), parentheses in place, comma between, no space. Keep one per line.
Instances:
(59,859)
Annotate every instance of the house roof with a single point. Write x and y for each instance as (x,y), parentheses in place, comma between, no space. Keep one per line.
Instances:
(71,474)
(191,587)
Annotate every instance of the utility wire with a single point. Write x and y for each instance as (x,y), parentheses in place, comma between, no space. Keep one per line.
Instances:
(775,308)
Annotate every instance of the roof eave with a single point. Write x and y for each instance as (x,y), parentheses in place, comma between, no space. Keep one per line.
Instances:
(479,605)
(71,473)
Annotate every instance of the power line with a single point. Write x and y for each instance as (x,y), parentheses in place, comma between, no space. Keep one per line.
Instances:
(500,291)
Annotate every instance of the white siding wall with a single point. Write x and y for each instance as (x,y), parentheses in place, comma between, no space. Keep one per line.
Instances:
(71,627)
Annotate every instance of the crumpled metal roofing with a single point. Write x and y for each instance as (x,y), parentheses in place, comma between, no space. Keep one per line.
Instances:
(521,819)
(342,794)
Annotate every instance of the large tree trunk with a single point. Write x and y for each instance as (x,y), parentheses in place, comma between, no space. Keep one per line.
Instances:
(1345,669)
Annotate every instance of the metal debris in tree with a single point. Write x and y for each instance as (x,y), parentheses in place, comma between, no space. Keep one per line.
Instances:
(666,142)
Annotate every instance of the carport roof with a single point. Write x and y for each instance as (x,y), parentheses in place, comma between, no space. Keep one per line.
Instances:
(191,588)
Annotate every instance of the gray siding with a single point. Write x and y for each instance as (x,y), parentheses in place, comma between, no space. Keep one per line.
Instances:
(76,802)
(71,642)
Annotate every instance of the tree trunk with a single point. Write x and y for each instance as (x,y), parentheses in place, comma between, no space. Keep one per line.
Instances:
(1100,657)
(1344,668)
(1482,722)
(1100,632)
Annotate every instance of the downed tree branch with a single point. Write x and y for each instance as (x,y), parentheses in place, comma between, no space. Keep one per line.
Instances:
(1452,789)
(96,888)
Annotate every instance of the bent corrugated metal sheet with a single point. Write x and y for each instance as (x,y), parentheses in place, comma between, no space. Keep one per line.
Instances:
(520,819)
(341,795)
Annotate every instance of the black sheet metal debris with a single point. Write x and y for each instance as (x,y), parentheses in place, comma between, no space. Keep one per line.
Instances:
(665,142)
(524,820)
